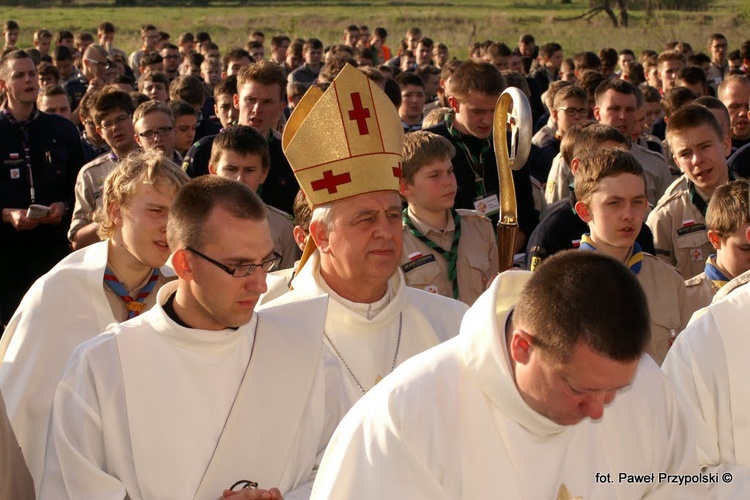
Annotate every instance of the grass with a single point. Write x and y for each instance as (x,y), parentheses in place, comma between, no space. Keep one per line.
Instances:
(456,23)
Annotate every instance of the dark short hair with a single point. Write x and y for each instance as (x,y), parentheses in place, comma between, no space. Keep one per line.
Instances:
(198,198)
(691,116)
(598,164)
(62,53)
(584,297)
(548,49)
(181,108)
(480,77)
(187,88)
(621,86)
(108,100)
(589,136)
(408,78)
(227,86)
(676,98)
(243,140)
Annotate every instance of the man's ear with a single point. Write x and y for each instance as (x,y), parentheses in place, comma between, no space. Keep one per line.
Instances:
(115,214)
(597,113)
(265,174)
(182,265)
(211,168)
(454,104)
(320,235)
(300,236)
(520,346)
(236,101)
(715,239)
(574,165)
(583,212)
(137,140)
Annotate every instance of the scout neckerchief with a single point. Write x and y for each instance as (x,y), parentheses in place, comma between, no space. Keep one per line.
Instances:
(450,256)
(476,164)
(634,262)
(23,126)
(134,306)
(697,200)
(714,273)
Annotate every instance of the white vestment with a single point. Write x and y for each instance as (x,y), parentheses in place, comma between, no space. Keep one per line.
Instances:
(450,424)
(366,335)
(709,364)
(154,410)
(63,308)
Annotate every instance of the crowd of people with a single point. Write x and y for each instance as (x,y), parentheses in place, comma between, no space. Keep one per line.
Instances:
(211,257)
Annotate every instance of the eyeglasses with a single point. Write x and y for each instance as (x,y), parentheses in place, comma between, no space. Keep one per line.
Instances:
(111,124)
(99,65)
(161,132)
(571,112)
(244,270)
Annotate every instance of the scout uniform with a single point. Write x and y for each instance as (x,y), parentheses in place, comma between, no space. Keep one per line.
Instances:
(665,294)
(735,283)
(680,234)
(558,181)
(455,262)
(658,176)
(89,187)
(702,288)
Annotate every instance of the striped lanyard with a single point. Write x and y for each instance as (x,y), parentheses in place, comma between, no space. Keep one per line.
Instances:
(634,262)
(476,164)
(23,126)
(137,305)
(450,256)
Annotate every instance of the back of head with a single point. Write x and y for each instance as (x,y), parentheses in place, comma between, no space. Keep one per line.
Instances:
(729,208)
(196,201)
(676,98)
(139,167)
(691,116)
(479,77)
(590,136)
(187,88)
(584,297)
(597,165)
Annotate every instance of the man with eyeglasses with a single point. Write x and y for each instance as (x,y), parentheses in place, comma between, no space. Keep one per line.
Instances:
(616,104)
(171,60)
(40,156)
(105,283)
(717,46)
(153,125)
(201,394)
(111,114)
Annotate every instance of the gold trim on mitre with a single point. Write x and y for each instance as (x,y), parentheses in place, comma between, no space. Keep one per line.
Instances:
(345,142)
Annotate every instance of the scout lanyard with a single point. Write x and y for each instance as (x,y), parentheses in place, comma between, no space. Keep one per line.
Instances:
(134,306)
(477,165)
(634,262)
(450,256)
(23,126)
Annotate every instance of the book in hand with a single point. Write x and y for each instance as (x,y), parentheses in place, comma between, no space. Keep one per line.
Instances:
(36,212)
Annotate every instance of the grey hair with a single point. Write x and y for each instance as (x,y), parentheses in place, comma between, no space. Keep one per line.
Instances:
(324,214)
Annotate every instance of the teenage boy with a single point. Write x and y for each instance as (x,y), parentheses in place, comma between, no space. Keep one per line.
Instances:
(412,101)
(240,153)
(102,284)
(307,73)
(153,127)
(149,40)
(728,222)
(43,41)
(224,102)
(185,120)
(111,114)
(10,33)
(155,86)
(699,147)
(552,58)
(611,191)
(670,63)
(446,251)
(570,106)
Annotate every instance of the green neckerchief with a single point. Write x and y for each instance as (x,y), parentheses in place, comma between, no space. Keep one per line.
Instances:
(450,256)
(697,200)
(476,164)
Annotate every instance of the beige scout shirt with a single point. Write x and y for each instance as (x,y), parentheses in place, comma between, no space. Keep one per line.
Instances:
(658,176)
(477,262)
(282,234)
(667,303)
(88,191)
(558,181)
(15,480)
(680,234)
(700,291)
(734,284)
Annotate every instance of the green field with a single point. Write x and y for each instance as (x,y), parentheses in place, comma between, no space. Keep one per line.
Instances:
(456,23)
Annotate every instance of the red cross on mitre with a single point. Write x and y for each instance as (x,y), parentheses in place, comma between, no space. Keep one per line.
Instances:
(397,171)
(331,182)
(359,114)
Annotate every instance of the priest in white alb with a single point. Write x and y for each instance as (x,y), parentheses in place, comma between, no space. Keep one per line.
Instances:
(544,394)
(709,364)
(199,395)
(345,147)
(105,283)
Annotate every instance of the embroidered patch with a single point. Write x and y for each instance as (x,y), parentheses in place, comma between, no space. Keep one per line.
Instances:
(575,243)
(431,289)
(415,255)
(696,255)
(420,261)
(15,173)
(690,229)
(14,156)
(535,261)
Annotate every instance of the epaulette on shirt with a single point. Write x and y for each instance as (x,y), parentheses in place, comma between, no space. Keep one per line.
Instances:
(695,280)
(96,161)
(465,212)
(667,199)
(652,153)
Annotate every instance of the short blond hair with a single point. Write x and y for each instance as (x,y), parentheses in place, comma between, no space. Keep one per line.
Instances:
(139,167)
(422,148)
(729,208)
(152,106)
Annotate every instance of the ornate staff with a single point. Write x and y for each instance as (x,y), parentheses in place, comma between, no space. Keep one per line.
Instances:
(512,109)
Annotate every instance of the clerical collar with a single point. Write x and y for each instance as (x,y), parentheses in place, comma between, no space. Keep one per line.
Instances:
(366,310)
(169,310)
